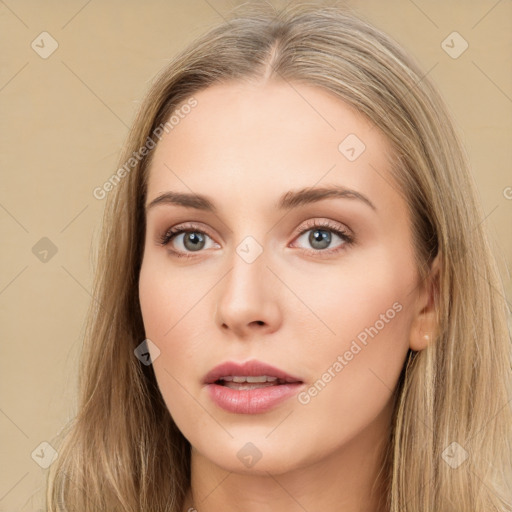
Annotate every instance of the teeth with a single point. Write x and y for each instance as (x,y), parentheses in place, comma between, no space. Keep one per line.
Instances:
(257,379)
(263,378)
(248,386)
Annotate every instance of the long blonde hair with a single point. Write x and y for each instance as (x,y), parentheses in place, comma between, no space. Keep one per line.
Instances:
(123,451)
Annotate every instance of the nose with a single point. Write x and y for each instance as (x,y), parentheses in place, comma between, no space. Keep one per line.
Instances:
(247,302)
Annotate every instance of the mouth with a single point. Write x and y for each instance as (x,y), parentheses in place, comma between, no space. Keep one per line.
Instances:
(251,387)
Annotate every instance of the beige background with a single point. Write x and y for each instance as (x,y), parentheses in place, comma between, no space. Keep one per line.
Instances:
(64,119)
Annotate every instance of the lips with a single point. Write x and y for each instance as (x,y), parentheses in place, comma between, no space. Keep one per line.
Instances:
(250,388)
(251,371)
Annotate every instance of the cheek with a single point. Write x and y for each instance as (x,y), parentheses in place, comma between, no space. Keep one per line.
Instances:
(175,313)
(360,335)
(169,298)
(362,298)
(164,301)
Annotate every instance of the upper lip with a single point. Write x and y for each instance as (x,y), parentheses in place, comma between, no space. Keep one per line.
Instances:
(248,369)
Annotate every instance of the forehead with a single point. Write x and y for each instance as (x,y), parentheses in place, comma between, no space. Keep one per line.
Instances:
(258,140)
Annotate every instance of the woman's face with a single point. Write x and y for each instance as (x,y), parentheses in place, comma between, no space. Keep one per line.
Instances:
(298,255)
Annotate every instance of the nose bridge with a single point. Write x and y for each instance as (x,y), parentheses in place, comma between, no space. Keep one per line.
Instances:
(247,278)
(247,297)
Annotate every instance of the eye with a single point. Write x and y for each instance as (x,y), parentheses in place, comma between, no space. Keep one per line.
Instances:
(320,234)
(186,239)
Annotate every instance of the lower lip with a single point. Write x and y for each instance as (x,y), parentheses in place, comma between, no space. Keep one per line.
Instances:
(251,401)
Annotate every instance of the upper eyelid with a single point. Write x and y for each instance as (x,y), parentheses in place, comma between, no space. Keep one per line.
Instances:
(184,227)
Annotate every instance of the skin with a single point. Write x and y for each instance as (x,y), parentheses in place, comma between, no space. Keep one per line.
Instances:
(243,146)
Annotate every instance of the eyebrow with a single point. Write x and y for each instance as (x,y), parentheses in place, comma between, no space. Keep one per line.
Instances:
(289,200)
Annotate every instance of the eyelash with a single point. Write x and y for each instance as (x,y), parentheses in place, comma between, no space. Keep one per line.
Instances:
(348,239)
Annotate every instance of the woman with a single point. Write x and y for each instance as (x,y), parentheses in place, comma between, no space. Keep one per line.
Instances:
(296,306)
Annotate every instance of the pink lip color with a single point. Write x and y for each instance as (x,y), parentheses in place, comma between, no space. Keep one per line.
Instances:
(251,401)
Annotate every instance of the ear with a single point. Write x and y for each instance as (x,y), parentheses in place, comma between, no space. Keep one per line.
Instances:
(425,323)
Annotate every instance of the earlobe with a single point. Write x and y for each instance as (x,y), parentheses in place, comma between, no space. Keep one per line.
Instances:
(425,324)
(420,341)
